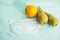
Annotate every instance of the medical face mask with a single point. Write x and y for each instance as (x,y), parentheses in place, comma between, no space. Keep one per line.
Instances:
(23,26)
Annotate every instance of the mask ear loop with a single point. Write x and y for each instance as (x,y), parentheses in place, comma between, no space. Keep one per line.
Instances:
(36,28)
(10,28)
(5,33)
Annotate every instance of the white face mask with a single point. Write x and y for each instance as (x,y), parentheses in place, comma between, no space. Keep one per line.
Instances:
(24,26)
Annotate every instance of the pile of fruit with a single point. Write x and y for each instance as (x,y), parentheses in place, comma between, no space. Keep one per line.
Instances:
(42,16)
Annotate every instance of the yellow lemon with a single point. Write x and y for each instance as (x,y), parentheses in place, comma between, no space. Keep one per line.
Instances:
(31,10)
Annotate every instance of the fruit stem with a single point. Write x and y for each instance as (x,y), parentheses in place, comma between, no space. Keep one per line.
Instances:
(39,8)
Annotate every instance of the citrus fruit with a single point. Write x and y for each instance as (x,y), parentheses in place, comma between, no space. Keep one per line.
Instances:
(31,10)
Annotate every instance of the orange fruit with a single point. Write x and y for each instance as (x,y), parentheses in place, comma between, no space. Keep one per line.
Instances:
(31,10)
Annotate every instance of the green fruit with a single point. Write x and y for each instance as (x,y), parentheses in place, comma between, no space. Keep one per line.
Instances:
(52,20)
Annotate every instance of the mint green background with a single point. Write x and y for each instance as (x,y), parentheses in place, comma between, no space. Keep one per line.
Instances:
(14,10)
